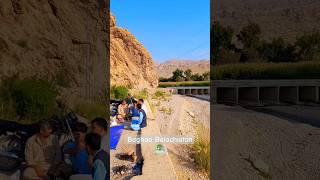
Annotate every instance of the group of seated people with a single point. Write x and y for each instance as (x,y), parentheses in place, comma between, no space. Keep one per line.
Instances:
(86,158)
(134,111)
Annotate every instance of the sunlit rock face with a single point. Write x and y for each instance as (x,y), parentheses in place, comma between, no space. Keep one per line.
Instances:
(130,63)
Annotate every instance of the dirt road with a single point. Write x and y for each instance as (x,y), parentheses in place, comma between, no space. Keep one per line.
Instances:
(186,113)
(249,144)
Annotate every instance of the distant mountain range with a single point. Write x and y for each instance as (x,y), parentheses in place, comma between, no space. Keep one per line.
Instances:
(165,69)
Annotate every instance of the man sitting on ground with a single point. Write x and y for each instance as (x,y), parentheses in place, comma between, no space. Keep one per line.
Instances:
(129,99)
(100,126)
(143,116)
(139,118)
(144,107)
(42,154)
(122,111)
(77,150)
(100,168)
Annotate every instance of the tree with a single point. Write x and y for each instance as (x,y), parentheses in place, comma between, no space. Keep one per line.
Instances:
(188,74)
(249,35)
(308,46)
(197,77)
(221,38)
(206,76)
(278,51)
(177,75)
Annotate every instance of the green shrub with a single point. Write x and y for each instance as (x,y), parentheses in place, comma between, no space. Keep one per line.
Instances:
(305,47)
(221,40)
(278,51)
(197,77)
(118,92)
(303,70)
(29,98)
(184,76)
(7,109)
(143,94)
(177,75)
(308,46)
(90,109)
(249,35)
(159,95)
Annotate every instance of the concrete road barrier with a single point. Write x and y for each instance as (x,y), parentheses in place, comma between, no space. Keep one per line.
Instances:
(263,92)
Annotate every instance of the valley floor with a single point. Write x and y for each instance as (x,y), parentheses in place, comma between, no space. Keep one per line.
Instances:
(184,115)
(266,143)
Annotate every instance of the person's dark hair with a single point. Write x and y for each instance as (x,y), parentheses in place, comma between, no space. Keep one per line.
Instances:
(139,106)
(134,102)
(80,127)
(93,141)
(101,122)
(141,100)
(45,124)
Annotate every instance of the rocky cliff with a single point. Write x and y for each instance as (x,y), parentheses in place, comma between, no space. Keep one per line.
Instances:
(63,40)
(130,63)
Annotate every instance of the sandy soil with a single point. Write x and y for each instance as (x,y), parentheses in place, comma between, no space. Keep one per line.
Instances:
(253,145)
(186,113)
(159,166)
(123,147)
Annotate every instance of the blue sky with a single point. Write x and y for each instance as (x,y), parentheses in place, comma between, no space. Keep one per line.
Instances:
(168,29)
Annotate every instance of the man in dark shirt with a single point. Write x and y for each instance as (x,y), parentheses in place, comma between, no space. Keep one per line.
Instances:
(129,99)
(77,150)
(101,159)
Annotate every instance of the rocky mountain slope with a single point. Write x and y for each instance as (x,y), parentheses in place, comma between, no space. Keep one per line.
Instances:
(165,69)
(60,40)
(277,18)
(130,63)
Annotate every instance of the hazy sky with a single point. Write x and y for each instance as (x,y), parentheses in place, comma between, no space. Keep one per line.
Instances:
(169,29)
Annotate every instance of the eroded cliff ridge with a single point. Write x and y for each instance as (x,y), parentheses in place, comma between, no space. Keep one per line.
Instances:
(130,63)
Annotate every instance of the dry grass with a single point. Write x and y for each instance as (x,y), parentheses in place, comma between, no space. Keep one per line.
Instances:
(167,111)
(143,94)
(158,103)
(161,96)
(201,149)
(90,109)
